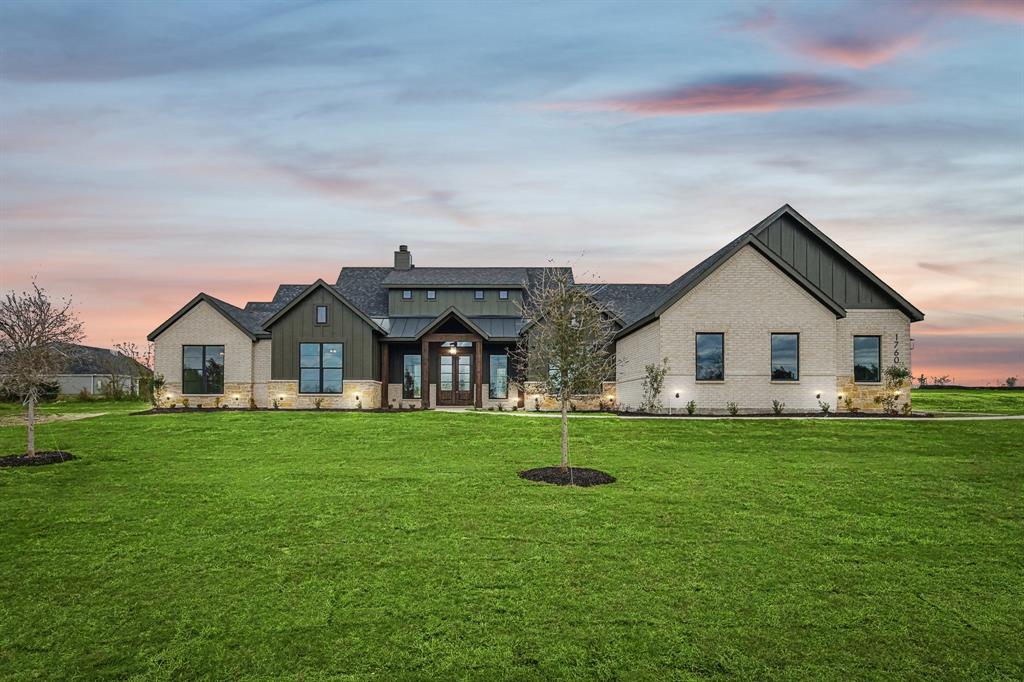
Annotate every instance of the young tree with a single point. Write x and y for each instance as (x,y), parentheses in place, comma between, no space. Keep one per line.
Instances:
(567,343)
(1011,382)
(35,340)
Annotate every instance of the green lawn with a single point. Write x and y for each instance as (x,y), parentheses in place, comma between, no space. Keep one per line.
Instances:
(403,546)
(990,401)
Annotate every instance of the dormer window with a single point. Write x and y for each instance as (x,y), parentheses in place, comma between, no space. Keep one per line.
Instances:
(321,314)
(407,295)
(431,295)
(478,295)
(503,295)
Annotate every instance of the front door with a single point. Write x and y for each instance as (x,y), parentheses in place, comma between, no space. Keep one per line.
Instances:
(456,380)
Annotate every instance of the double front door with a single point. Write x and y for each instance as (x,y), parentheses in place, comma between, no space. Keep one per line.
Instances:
(455,386)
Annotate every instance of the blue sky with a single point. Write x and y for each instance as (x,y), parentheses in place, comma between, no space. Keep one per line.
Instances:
(152,150)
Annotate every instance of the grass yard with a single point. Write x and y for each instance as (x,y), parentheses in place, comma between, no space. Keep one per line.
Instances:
(986,400)
(403,546)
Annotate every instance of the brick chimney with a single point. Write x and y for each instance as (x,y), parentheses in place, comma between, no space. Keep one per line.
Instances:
(403,259)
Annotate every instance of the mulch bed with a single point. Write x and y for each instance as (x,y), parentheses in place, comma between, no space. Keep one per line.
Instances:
(38,459)
(831,415)
(584,478)
(218,410)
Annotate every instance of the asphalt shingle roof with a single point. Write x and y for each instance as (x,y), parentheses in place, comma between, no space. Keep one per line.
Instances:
(365,289)
(628,301)
(493,277)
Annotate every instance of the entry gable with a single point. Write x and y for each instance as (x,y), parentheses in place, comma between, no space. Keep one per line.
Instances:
(452,314)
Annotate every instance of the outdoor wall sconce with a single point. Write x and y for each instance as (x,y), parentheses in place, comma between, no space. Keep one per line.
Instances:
(817,395)
(281,397)
(452,350)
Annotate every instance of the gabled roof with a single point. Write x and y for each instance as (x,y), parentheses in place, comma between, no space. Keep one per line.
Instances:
(364,286)
(93,360)
(320,284)
(452,313)
(457,277)
(688,280)
(238,317)
(627,301)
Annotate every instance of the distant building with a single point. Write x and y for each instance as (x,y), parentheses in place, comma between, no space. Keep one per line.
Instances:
(91,368)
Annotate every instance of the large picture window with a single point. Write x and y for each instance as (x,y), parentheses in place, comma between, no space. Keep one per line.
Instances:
(497,388)
(320,367)
(710,348)
(867,358)
(785,357)
(411,377)
(202,369)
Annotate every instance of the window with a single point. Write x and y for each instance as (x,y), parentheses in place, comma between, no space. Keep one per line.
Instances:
(867,358)
(785,357)
(407,295)
(321,314)
(320,367)
(710,349)
(431,295)
(497,388)
(411,375)
(202,369)
(503,295)
(478,295)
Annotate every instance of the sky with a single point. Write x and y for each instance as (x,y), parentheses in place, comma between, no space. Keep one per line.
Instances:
(152,150)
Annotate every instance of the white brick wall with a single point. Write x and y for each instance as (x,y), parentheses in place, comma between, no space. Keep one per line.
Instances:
(204,326)
(747,299)
(632,354)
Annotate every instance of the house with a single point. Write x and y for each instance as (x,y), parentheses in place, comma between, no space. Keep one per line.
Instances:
(779,313)
(92,369)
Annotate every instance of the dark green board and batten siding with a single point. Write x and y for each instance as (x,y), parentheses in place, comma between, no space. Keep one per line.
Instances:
(460,299)
(816,261)
(298,325)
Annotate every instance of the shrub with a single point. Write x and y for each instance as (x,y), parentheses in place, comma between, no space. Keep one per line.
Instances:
(216,402)
(733,408)
(84,395)
(691,407)
(252,403)
(895,377)
(275,405)
(654,380)
(536,404)
(905,410)
(318,402)
(1011,382)
(778,407)
(848,403)
(184,402)
(501,407)
(825,408)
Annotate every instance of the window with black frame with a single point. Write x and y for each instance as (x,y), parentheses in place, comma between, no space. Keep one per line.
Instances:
(321,367)
(321,314)
(785,357)
(710,350)
(202,369)
(411,377)
(867,359)
(497,389)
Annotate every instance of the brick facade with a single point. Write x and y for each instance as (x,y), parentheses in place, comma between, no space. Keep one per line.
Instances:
(747,299)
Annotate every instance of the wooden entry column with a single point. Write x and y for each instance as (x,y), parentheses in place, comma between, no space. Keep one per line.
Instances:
(384,368)
(425,374)
(479,346)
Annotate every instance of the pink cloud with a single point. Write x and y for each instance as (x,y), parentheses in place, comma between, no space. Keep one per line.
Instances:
(1003,11)
(856,51)
(750,93)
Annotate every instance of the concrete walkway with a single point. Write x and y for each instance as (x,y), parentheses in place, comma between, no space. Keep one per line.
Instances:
(945,417)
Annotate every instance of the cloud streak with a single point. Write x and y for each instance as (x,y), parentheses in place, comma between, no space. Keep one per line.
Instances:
(750,93)
(856,51)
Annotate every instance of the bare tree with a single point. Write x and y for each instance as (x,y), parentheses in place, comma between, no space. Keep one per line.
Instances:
(35,338)
(566,345)
(125,367)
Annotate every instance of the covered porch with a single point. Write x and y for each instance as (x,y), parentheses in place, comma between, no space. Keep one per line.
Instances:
(448,361)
